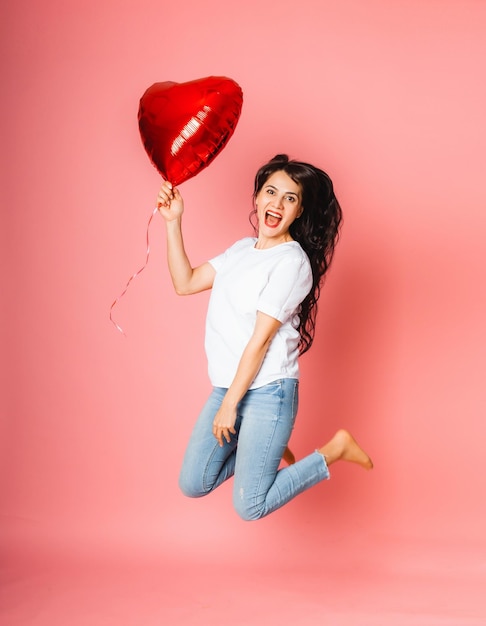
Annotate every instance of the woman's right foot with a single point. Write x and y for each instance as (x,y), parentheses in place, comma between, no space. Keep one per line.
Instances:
(288,456)
(343,447)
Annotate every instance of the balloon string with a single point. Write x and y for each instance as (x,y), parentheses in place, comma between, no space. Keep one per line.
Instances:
(134,275)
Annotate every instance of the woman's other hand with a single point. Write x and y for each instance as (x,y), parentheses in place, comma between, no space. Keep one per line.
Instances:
(224,424)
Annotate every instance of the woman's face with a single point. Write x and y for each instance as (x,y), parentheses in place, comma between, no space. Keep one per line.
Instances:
(278,204)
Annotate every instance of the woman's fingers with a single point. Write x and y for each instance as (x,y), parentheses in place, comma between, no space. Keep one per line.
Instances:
(226,435)
(221,432)
(165,194)
(219,437)
(169,202)
(217,432)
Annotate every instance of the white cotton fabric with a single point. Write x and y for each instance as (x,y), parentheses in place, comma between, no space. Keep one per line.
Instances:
(273,281)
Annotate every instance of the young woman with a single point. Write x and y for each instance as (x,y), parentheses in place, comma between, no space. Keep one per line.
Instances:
(261,317)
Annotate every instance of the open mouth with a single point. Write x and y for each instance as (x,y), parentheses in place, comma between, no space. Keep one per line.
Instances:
(272,219)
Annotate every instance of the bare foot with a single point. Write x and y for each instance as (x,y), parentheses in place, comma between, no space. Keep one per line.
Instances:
(343,447)
(288,456)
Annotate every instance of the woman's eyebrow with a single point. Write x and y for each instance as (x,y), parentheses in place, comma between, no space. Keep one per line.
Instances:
(293,193)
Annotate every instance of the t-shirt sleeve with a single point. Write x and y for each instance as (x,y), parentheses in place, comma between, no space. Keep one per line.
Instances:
(218,261)
(288,284)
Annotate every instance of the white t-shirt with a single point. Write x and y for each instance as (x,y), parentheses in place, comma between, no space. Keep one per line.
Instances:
(273,281)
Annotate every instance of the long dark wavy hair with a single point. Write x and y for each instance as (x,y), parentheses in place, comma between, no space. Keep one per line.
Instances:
(316,230)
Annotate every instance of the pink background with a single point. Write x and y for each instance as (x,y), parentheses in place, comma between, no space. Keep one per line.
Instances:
(390,99)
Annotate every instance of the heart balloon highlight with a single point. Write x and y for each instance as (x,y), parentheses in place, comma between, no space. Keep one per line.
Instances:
(185,125)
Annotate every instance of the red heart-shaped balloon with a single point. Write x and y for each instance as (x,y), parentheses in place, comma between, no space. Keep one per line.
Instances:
(185,125)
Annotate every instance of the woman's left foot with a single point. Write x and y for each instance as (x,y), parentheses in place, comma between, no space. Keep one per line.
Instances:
(343,447)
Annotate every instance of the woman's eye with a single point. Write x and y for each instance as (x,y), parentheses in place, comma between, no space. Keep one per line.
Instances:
(270,191)
(291,198)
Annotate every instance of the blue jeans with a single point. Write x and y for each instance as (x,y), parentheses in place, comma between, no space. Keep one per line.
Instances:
(265,420)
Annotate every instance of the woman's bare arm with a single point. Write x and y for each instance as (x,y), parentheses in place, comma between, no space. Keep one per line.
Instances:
(251,360)
(185,278)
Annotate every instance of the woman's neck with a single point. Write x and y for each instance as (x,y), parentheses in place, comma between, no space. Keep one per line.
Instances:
(264,243)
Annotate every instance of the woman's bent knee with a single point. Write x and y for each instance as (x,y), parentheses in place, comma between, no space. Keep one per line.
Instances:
(247,511)
(191,488)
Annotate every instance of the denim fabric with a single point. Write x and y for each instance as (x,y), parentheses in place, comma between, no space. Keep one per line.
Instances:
(265,420)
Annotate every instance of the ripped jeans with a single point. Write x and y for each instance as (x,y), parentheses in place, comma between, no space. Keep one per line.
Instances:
(265,420)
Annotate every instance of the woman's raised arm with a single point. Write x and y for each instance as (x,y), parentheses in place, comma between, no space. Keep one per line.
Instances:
(185,278)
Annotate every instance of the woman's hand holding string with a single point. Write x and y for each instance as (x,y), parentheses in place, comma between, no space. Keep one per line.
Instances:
(170,202)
